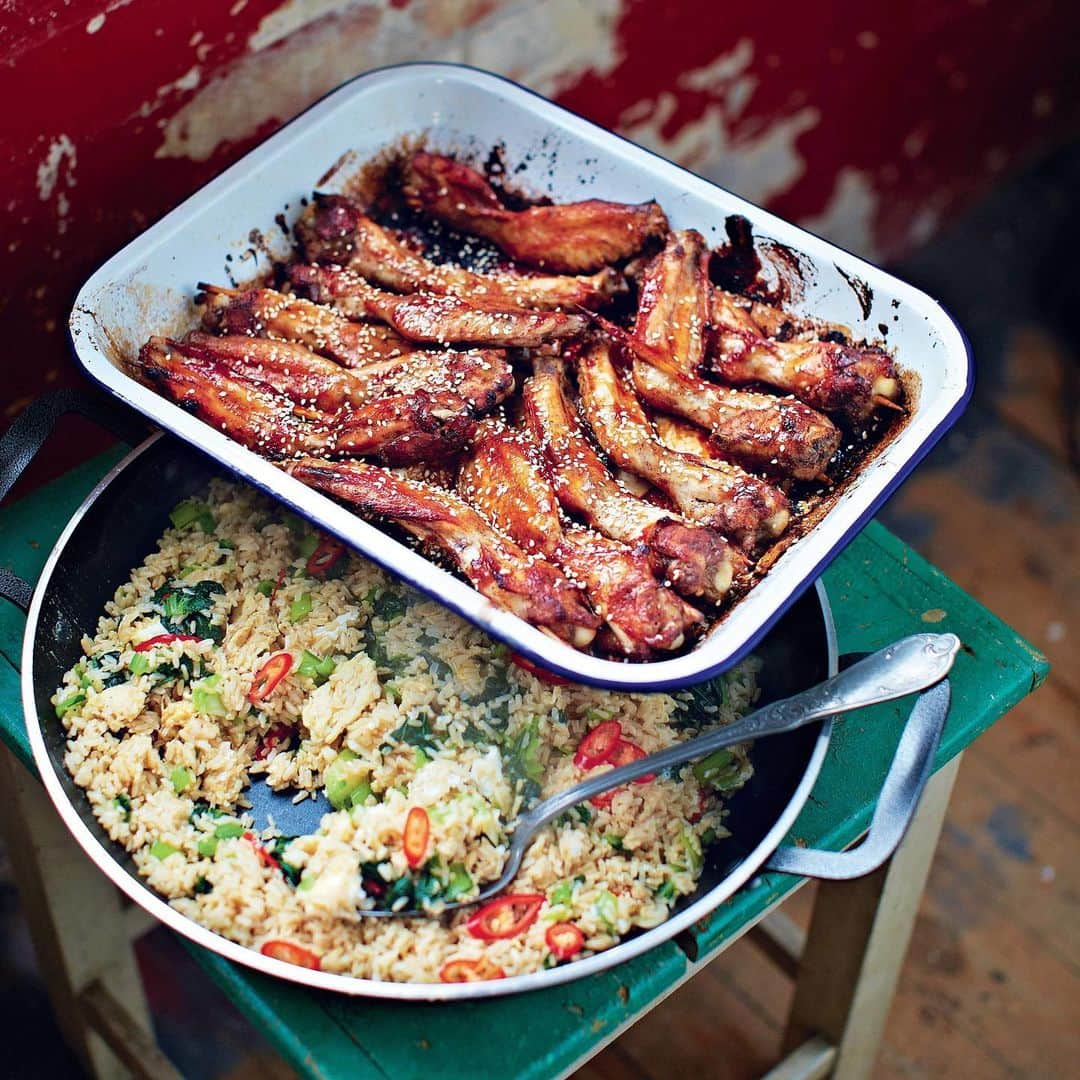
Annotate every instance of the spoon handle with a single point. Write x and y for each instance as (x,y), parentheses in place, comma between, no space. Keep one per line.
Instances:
(905,667)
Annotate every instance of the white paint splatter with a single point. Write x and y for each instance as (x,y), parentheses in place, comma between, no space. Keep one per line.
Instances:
(549,46)
(758,160)
(95,24)
(318,44)
(848,217)
(59,162)
(717,75)
(188,81)
(293,15)
(757,167)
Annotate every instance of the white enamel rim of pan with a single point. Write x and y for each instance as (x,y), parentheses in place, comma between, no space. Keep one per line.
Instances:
(147,287)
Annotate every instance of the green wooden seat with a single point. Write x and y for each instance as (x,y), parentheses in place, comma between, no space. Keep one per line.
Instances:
(879,589)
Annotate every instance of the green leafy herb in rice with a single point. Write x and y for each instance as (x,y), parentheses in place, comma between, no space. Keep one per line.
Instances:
(521,757)
(185,609)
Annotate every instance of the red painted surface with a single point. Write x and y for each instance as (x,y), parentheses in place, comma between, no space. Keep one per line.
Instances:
(924,104)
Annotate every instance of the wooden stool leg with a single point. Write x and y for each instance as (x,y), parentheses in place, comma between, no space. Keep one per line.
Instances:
(81,932)
(859,933)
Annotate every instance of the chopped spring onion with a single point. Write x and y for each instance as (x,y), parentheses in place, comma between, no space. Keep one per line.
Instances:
(192,512)
(459,884)
(714,767)
(228,545)
(666,891)
(162,849)
(615,841)
(229,830)
(607,910)
(307,545)
(392,692)
(207,846)
(318,668)
(596,716)
(181,779)
(266,587)
(563,893)
(300,607)
(123,804)
(206,698)
(72,701)
(306,883)
(345,781)
(295,524)
(420,759)
(692,846)
(139,664)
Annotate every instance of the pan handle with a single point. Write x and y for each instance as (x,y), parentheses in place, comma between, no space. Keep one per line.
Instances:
(907,776)
(29,432)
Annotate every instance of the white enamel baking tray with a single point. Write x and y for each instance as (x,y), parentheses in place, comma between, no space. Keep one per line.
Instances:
(147,288)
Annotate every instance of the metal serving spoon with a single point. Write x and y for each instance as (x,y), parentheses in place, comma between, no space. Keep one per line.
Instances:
(905,667)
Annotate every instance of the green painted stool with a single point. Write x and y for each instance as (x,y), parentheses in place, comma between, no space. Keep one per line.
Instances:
(879,589)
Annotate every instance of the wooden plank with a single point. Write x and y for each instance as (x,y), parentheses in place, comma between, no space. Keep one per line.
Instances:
(724,1023)
(75,917)
(857,940)
(811,1061)
(132,1044)
(982,996)
(1002,520)
(1012,859)
(781,939)
(1030,748)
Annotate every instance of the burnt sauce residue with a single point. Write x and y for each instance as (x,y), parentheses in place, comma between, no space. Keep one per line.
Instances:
(862,290)
(763,268)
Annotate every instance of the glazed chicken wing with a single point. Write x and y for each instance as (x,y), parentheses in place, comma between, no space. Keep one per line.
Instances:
(445,320)
(246,411)
(271,314)
(767,320)
(673,301)
(396,428)
(717,494)
(287,368)
(498,568)
(775,435)
(334,231)
(695,560)
(480,378)
(835,378)
(567,238)
(503,480)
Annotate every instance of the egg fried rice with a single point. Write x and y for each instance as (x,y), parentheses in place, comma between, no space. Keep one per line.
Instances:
(248,649)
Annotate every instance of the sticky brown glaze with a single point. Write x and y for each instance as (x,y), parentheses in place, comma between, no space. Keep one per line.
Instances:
(504,480)
(425,318)
(395,428)
(567,238)
(837,379)
(499,569)
(246,411)
(696,561)
(763,432)
(336,232)
(723,496)
(673,301)
(271,314)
